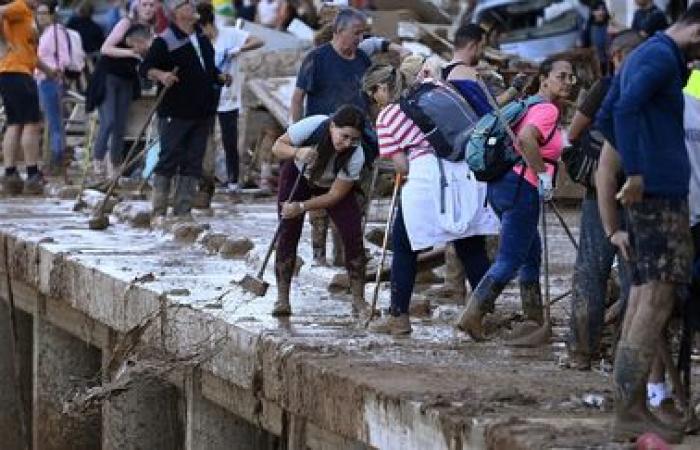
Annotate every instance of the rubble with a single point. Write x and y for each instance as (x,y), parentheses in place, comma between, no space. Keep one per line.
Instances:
(236,248)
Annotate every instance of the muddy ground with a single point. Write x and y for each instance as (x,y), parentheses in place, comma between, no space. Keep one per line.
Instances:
(508,398)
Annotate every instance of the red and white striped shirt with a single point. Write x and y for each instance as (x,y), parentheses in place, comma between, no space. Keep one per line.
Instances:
(398,133)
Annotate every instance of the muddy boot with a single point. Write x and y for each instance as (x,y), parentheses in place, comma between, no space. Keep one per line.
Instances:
(632,418)
(395,325)
(319,232)
(356,275)
(453,290)
(531,301)
(205,192)
(184,194)
(283,273)
(34,184)
(11,184)
(667,413)
(159,199)
(480,302)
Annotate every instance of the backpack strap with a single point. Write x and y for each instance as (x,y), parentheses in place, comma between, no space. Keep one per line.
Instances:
(315,137)
(445,72)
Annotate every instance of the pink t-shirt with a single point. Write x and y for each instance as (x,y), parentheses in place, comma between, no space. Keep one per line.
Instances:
(545,117)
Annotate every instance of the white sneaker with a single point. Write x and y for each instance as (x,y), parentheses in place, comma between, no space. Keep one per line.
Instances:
(233,188)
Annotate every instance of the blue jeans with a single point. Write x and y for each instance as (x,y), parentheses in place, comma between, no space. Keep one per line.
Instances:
(594,260)
(50,94)
(404,264)
(114,114)
(517,204)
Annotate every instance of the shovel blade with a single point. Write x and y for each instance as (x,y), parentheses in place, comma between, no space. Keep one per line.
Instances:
(254,285)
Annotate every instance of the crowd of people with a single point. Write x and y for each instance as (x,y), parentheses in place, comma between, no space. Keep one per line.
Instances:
(632,143)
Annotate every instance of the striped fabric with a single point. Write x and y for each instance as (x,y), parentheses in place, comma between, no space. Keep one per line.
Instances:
(398,133)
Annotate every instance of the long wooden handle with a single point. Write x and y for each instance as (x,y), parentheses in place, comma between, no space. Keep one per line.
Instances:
(385,243)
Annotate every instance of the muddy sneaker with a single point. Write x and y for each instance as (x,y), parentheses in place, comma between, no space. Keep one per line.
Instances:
(393,325)
(11,184)
(34,184)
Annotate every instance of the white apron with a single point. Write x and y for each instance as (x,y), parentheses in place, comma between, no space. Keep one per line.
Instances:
(465,210)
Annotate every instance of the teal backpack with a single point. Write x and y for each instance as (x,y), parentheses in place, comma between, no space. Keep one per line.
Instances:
(490,152)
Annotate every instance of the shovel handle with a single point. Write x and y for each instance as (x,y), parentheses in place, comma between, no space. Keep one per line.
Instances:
(271,247)
(385,242)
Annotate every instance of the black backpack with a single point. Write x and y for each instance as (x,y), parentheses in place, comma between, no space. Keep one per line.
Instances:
(443,115)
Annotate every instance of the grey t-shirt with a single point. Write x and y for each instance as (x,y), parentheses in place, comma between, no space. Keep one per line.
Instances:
(691,124)
(302,130)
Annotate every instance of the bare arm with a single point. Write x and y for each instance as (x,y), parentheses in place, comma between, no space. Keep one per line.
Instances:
(252,43)
(339,189)
(507,96)
(579,124)
(609,165)
(297,108)
(283,148)
(109,47)
(606,182)
(529,145)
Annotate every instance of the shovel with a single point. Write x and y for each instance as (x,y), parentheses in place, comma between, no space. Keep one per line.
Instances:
(380,266)
(542,334)
(100,221)
(256,284)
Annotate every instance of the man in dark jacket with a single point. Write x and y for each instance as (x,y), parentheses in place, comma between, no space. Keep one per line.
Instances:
(182,59)
(649,135)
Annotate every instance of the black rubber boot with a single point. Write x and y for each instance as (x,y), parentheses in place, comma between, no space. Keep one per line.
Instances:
(184,194)
(480,302)
(205,192)
(159,199)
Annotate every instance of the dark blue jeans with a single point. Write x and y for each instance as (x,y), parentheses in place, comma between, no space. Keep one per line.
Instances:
(517,204)
(470,250)
(50,93)
(594,260)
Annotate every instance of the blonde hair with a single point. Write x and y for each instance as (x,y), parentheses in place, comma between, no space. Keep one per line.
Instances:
(433,67)
(383,74)
(410,67)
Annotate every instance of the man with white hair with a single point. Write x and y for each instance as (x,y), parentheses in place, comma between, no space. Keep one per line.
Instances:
(330,76)
(182,59)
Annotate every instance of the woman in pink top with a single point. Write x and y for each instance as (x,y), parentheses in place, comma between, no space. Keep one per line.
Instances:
(53,52)
(516,199)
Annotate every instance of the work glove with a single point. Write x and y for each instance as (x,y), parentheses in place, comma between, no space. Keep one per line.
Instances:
(545,186)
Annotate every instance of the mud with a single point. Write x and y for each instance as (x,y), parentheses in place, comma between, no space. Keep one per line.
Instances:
(435,389)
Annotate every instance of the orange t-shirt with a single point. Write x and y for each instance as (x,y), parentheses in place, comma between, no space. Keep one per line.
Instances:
(20,37)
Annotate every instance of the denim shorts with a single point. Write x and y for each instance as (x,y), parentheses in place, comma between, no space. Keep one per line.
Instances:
(660,239)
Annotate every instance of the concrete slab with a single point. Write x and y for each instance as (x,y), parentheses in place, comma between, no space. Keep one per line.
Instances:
(318,377)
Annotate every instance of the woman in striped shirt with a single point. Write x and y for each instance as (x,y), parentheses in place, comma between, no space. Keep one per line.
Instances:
(417,226)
